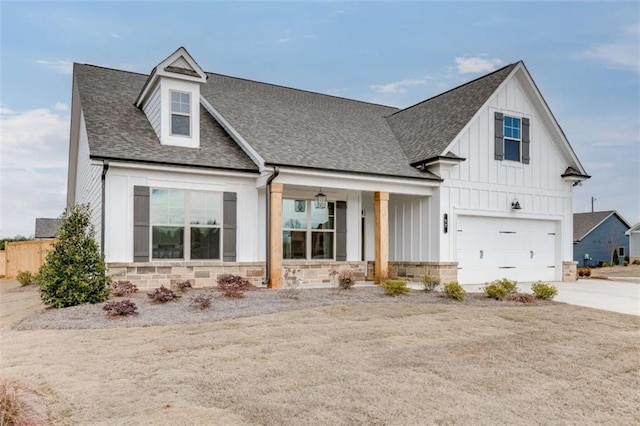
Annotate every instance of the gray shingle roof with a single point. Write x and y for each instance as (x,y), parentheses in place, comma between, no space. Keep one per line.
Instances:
(118,130)
(426,129)
(298,128)
(47,228)
(583,223)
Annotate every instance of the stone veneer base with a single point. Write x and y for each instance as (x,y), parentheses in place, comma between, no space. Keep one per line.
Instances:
(569,271)
(414,271)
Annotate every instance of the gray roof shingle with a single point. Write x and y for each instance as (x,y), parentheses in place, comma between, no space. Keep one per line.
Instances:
(46,227)
(118,130)
(583,223)
(426,129)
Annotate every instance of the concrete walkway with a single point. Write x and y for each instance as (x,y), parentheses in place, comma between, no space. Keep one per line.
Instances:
(608,295)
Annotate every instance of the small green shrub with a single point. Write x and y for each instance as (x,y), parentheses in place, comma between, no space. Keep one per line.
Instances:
(616,259)
(520,297)
(453,290)
(123,288)
(510,285)
(120,308)
(605,264)
(25,278)
(233,285)
(346,279)
(636,261)
(430,283)
(495,291)
(625,263)
(395,287)
(201,302)
(543,290)
(163,295)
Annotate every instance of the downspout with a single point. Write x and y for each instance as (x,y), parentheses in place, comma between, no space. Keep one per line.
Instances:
(267,269)
(105,168)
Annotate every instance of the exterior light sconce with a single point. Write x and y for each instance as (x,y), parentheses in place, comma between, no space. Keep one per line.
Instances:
(515,204)
(320,200)
(445,223)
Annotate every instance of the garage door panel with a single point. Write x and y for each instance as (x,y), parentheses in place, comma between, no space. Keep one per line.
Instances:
(491,248)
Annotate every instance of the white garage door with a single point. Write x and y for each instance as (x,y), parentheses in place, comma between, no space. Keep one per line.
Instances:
(489,248)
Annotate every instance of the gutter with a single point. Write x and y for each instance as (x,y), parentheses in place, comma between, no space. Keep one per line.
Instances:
(267,269)
(105,168)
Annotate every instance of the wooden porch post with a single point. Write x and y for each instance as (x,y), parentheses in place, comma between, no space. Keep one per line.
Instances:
(381,225)
(275,245)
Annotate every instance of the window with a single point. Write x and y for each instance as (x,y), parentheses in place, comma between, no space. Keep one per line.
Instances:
(180,113)
(307,232)
(621,251)
(512,138)
(185,224)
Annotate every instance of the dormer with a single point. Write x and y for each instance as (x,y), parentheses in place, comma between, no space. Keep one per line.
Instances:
(170,98)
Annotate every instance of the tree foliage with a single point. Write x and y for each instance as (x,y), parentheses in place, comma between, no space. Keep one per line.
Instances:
(74,271)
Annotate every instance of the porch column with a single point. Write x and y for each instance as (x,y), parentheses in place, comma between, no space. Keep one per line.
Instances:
(381,225)
(275,240)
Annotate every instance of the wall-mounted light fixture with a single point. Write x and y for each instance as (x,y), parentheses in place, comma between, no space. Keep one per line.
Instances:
(515,204)
(320,200)
(445,223)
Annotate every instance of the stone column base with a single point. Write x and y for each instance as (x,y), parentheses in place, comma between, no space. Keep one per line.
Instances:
(569,271)
(414,271)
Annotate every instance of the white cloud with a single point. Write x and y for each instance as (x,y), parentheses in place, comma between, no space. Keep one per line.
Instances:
(398,86)
(62,67)
(33,166)
(623,55)
(476,64)
(284,40)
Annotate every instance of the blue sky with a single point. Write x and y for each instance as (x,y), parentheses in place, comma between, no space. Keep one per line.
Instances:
(584,57)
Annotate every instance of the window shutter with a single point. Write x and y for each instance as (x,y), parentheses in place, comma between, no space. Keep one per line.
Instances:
(140,224)
(229,209)
(525,141)
(341,231)
(499,136)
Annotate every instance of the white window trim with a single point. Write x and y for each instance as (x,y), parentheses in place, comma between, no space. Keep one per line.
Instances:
(505,138)
(172,113)
(309,231)
(186,226)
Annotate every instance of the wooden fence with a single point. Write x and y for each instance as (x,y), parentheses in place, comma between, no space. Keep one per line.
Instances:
(25,256)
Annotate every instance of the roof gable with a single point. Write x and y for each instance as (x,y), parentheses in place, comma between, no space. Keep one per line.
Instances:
(425,130)
(585,223)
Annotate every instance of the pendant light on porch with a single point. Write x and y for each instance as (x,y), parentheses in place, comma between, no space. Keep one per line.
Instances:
(320,200)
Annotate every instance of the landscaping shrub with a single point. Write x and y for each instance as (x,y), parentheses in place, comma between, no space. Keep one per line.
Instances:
(625,263)
(163,295)
(495,290)
(233,285)
(395,287)
(25,278)
(430,283)
(453,290)
(615,258)
(14,409)
(584,272)
(123,288)
(201,302)
(346,279)
(636,262)
(580,272)
(183,286)
(74,271)
(543,290)
(520,297)
(510,285)
(605,265)
(120,308)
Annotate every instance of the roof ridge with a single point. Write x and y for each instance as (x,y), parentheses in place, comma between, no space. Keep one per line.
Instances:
(110,68)
(456,88)
(302,90)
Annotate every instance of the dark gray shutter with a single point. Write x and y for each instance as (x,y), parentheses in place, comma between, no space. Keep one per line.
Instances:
(525,141)
(499,136)
(341,231)
(229,226)
(140,224)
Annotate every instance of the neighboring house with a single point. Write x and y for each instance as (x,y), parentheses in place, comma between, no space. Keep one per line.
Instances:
(634,242)
(193,174)
(596,235)
(47,228)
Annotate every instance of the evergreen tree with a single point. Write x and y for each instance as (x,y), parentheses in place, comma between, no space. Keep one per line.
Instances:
(74,271)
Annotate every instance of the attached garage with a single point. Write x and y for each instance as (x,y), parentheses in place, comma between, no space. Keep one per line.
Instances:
(489,248)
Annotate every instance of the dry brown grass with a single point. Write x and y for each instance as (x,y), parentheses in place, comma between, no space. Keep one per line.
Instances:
(19,405)
(386,363)
(616,271)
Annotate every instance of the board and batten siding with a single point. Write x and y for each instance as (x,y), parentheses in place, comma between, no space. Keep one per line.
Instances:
(153,111)
(120,182)
(88,181)
(408,228)
(482,185)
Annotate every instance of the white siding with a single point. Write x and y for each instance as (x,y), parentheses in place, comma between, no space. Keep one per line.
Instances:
(119,212)
(408,228)
(88,181)
(153,111)
(634,244)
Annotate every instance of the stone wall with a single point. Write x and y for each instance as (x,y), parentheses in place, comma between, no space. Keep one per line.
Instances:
(414,271)
(319,271)
(569,271)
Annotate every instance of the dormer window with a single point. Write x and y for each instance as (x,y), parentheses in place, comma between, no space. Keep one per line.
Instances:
(180,113)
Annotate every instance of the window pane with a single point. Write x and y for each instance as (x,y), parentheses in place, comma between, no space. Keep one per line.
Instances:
(206,209)
(322,218)
(175,97)
(322,245)
(168,242)
(294,244)
(511,150)
(205,243)
(507,121)
(185,98)
(167,206)
(179,125)
(292,217)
